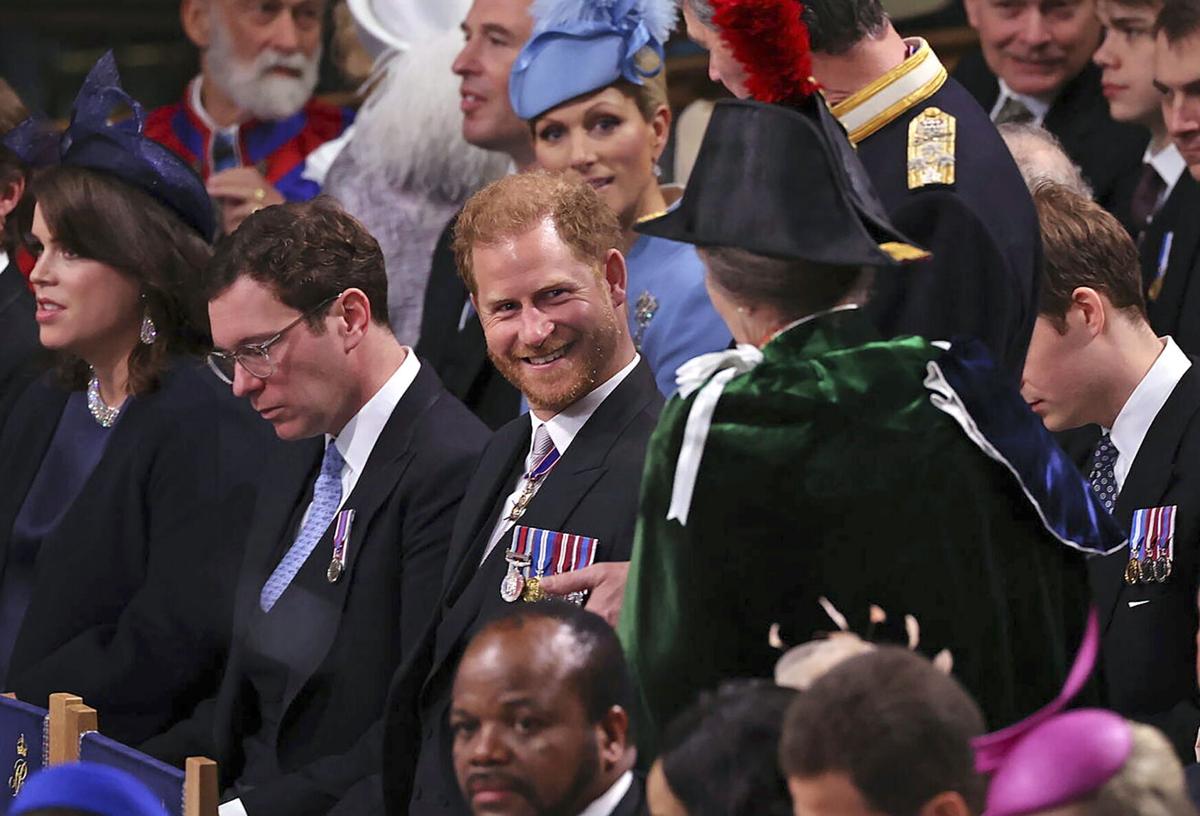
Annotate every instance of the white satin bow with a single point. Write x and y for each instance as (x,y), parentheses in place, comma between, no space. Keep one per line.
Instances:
(717,369)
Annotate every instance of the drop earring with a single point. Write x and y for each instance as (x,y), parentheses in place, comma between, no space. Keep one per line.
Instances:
(148,332)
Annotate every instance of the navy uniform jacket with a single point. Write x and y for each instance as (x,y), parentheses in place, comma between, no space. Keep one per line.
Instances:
(1148,631)
(1109,152)
(981,227)
(1173,304)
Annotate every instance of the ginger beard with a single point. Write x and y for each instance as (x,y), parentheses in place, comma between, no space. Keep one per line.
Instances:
(255,85)
(577,373)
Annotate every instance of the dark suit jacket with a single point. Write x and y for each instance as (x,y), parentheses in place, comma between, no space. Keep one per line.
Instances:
(1110,153)
(132,602)
(460,356)
(1149,650)
(982,280)
(593,491)
(404,503)
(1176,310)
(18,337)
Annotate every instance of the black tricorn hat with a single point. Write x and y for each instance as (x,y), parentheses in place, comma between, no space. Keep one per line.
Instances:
(783,181)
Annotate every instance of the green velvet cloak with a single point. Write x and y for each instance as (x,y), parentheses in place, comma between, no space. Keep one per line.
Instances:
(828,472)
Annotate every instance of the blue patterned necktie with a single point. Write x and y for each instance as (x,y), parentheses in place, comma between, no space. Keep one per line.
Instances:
(327,495)
(1101,475)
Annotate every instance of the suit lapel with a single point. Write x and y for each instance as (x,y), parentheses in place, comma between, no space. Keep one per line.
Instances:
(1149,480)
(1178,212)
(551,507)
(481,505)
(390,457)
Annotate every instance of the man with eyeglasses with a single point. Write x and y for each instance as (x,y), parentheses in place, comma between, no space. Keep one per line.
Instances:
(345,555)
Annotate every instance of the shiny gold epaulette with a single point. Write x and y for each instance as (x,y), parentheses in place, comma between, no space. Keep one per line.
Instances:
(931,139)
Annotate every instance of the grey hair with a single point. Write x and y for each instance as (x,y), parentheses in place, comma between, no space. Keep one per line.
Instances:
(1150,784)
(1040,157)
(701,8)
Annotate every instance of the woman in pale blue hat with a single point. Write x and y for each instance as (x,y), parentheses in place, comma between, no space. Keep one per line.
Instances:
(591,82)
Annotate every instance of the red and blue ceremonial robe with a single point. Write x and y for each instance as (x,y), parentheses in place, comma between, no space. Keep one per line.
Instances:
(278,149)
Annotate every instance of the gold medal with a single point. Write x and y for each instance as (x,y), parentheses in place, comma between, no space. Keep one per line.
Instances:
(533,591)
(1132,572)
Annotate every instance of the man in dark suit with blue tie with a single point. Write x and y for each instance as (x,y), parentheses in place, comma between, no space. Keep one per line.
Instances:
(345,556)
(1094,358)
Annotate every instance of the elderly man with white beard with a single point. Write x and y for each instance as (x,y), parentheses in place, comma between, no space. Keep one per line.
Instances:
(248,123)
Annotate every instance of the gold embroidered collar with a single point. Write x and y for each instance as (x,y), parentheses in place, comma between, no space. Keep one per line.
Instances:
(909,83)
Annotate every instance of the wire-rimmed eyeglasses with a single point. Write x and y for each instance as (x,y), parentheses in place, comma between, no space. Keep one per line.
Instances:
(256,357)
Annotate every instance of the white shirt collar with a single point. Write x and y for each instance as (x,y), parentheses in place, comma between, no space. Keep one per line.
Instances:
(607,802)
(1169,164)
(198,106)
(358,438)
(565,425)
(1143,405)
(3,261)
(1038,106)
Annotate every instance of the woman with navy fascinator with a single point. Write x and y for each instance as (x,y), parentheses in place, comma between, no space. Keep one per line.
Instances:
(592,84)
(126,469)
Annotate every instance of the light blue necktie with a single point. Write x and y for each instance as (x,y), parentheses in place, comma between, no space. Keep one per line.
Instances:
(327,495)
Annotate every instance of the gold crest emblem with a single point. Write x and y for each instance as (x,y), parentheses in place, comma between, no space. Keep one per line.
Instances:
(931,148)
(20,767)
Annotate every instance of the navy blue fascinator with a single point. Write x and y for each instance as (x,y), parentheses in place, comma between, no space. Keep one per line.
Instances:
(119,148)
(579,46)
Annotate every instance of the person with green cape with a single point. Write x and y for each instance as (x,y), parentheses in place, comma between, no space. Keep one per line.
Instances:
(817,464)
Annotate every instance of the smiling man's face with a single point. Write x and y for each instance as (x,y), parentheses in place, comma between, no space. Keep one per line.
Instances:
(1036,46)
(552,321)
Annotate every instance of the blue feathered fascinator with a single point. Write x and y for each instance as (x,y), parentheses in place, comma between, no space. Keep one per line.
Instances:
(580,46)
(119,148)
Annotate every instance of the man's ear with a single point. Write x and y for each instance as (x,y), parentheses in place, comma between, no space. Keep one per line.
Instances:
(972,8)
(1088,309)
(10,196)
(356,316)
(196,17)
(613,733)
(947,803)
(616,275)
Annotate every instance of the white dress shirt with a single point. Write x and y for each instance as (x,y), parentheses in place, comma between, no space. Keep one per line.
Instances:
(563,428)
(355,443)
(1038,106)
(607,802)
(1143,405)
(3,261)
